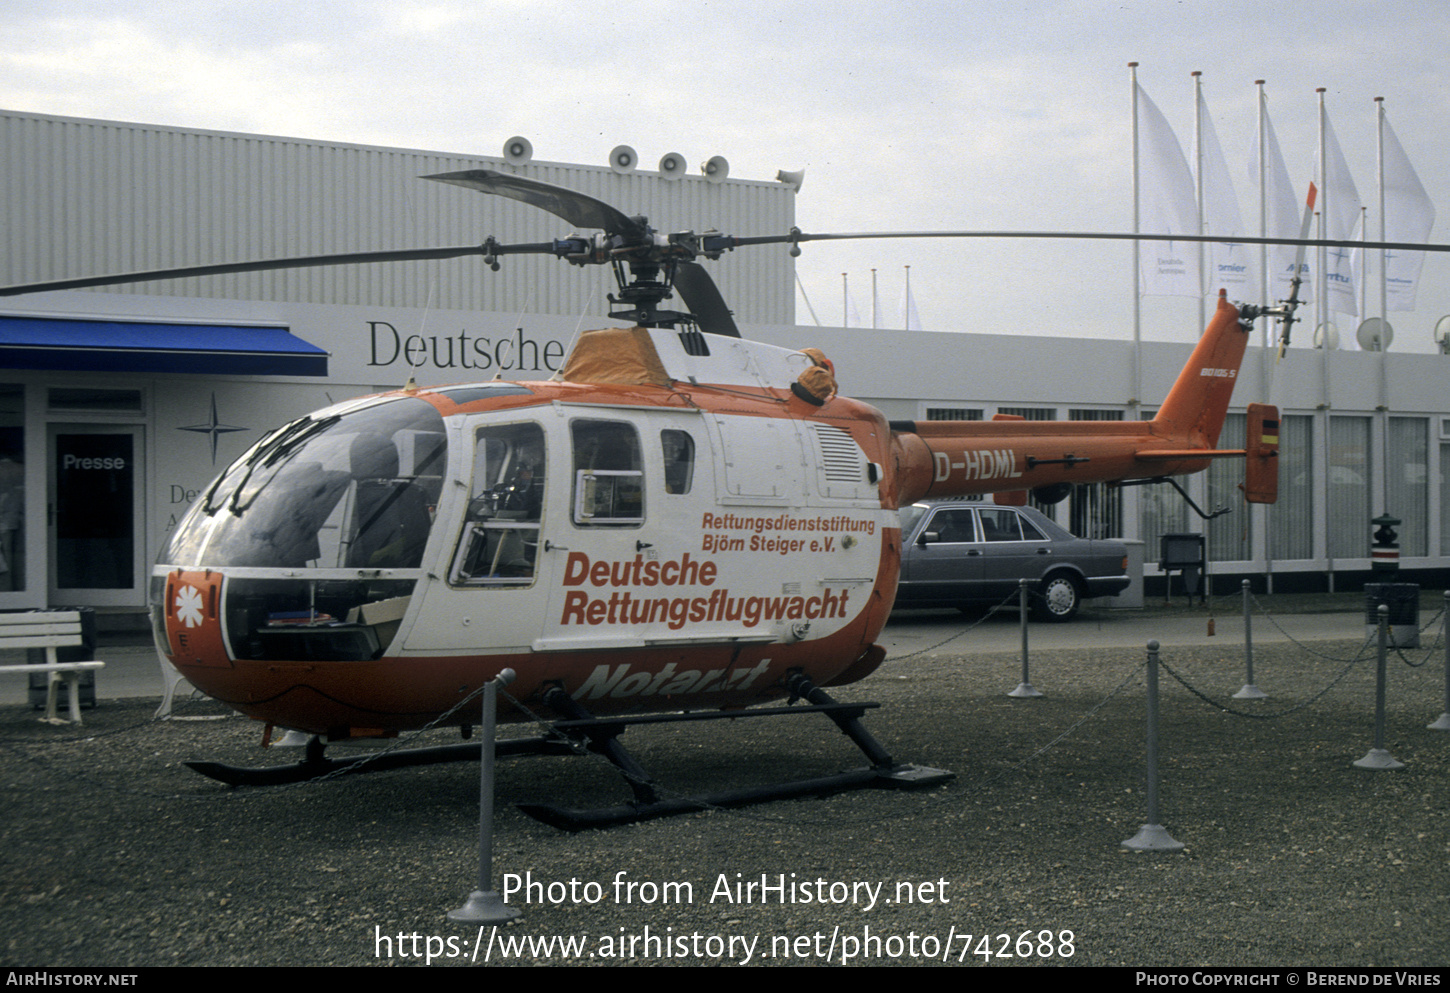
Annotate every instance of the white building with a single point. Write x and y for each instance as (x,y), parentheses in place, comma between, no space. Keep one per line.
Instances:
(118,405)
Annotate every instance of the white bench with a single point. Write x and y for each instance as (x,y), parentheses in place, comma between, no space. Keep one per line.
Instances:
(49,630)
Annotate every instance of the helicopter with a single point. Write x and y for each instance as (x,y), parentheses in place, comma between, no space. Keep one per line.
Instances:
(681,525)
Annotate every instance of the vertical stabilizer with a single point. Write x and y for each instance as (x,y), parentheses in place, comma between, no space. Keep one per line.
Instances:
(1196,406)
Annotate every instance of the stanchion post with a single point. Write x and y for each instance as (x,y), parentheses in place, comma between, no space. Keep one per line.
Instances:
(1024,688)
(484,905)
(1443,722)
(1378,757)
(1153,836)
(1249,691)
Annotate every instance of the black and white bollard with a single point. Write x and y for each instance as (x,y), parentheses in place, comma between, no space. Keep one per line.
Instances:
(1153,836)
(484,905)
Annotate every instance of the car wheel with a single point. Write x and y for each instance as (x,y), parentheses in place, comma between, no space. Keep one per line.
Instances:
(1059,598)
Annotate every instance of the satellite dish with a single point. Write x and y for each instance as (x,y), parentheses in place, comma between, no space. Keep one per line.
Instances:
(517,151)
(1374,334)
(623,159)
(672,166)
(716,169)
(1442,334)
(1326,331)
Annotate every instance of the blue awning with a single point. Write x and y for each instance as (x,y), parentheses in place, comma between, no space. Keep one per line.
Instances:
(122,346)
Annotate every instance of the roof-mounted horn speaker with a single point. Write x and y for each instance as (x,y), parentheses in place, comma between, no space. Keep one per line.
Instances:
(672,166)
(517,151)
(716,169)
(791,179)
(623,159)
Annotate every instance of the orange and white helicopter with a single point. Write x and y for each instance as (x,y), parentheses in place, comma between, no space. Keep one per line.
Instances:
(682,521)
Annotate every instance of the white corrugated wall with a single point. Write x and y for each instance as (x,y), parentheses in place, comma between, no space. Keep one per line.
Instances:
(89,197)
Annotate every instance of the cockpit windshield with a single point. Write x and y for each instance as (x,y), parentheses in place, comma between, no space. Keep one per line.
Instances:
(352,490)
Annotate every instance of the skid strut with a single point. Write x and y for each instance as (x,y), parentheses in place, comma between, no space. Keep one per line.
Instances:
(602,736)
(884,772)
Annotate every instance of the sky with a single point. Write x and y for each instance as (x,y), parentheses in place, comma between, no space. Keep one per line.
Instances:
(911,115)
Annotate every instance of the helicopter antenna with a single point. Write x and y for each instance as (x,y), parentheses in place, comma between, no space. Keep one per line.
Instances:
(558,376)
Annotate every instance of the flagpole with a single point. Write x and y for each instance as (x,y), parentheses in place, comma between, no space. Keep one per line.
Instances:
(1266,362)
(874,325)
(1265,278)
(1384,305)
(906,303)
(1137,380)
(802,287)
(1321,296)
(845,303)
(1198,189)
(1384,256)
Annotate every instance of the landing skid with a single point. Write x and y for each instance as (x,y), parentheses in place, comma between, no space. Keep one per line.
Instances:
(602,736)
(314,765)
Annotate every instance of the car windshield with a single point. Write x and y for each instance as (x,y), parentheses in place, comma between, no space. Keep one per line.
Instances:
(910,516)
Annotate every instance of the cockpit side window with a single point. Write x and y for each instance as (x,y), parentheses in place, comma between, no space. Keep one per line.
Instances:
(500,541)
(608,474)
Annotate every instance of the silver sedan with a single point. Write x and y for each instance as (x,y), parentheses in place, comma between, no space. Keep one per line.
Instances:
(961,553)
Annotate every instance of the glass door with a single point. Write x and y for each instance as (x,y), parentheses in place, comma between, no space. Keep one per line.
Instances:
(96,515)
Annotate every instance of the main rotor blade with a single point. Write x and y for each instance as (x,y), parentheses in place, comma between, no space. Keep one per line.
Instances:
(263,265)
(795,237)
(578,209)
(703,300)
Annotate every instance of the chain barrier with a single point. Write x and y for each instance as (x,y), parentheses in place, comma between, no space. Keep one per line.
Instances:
(1278,713)
(1272,619)
(1434,645)
(1132,675)
(1011,599)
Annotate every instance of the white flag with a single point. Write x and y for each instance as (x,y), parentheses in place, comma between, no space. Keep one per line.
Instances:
(1232,266)
(1167,206)
(1409,216)
(1283,217)
(910,319)
(1344,218)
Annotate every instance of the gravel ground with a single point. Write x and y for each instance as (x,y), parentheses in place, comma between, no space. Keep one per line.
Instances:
(114,854)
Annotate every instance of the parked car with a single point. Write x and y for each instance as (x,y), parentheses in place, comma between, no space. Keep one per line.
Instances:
(958,553)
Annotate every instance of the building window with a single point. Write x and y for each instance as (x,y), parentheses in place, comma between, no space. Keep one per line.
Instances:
(1160,510)
(1408,482)
(1291,517)
(1350,482)
(1445,490)
(1230,537)
(1095,510)
(12,488)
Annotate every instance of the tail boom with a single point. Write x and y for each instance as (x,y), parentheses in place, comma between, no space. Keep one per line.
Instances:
(961,458)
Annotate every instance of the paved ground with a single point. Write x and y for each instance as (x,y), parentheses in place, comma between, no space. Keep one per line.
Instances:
(111,853)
